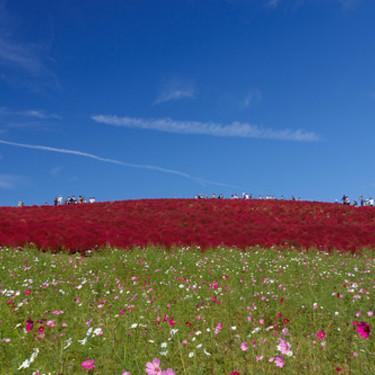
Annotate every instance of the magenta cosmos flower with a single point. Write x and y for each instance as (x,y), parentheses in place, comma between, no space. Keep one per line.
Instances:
(363,329)
(89,364)
(321,334)
(154,367)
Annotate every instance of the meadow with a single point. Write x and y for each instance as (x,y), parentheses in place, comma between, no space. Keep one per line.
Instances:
(222,311)
(166,287)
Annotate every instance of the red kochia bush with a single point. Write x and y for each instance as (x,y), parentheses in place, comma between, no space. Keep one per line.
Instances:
(184,222)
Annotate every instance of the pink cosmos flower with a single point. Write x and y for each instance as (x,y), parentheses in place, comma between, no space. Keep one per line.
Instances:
(284,331)
(279,361)
(244,346)
(249,318)
(235,373)
(218,328)
(154,367)
(363,329)
(284,347)
(28,291)
(321,334)
(89,364)
(261,321)
(127,373)
(168,371)
(172,322)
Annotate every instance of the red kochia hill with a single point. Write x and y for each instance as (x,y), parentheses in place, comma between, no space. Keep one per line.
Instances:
(186,222)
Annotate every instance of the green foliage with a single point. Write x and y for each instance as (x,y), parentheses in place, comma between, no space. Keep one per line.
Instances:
(125,308)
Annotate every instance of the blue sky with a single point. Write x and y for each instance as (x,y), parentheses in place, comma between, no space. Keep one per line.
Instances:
(156,99)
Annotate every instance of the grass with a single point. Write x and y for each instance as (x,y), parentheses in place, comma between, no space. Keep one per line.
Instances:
(125,308)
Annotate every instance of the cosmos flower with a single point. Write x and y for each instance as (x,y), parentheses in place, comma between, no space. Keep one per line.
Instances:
(89,364)
(363,329)
(279,361)
(244,346)
(218,328)
(154,367)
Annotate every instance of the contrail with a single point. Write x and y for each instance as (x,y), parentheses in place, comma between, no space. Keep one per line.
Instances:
(113,161)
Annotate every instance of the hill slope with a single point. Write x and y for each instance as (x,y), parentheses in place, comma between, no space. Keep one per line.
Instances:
(184,222)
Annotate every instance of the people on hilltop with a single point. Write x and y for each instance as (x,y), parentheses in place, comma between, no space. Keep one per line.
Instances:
(362,201)
(72,200)
(345,200)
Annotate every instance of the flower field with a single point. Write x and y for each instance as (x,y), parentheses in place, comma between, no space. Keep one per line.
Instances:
(189,222)
(184,311)
(181,286)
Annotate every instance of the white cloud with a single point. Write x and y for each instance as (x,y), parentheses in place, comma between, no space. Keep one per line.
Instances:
(117,162)
(30,113)
(21,56)
(24,63)
(10,182)
(175,90)
(56,171)
(252,97)
(295,4)
(273,3)
(235,129)
(40,114)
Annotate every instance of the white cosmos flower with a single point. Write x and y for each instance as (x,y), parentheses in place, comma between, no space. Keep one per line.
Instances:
(69,342)
(83,342)
(25,364)
(98,332)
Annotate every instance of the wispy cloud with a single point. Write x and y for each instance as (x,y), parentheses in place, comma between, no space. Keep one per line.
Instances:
(295,4)
(21,56)
(24,63)
(56,171)
(174,90)
(252,97)
(273,3)
(117,162)
(10,182)
(235,129)
(30,113)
